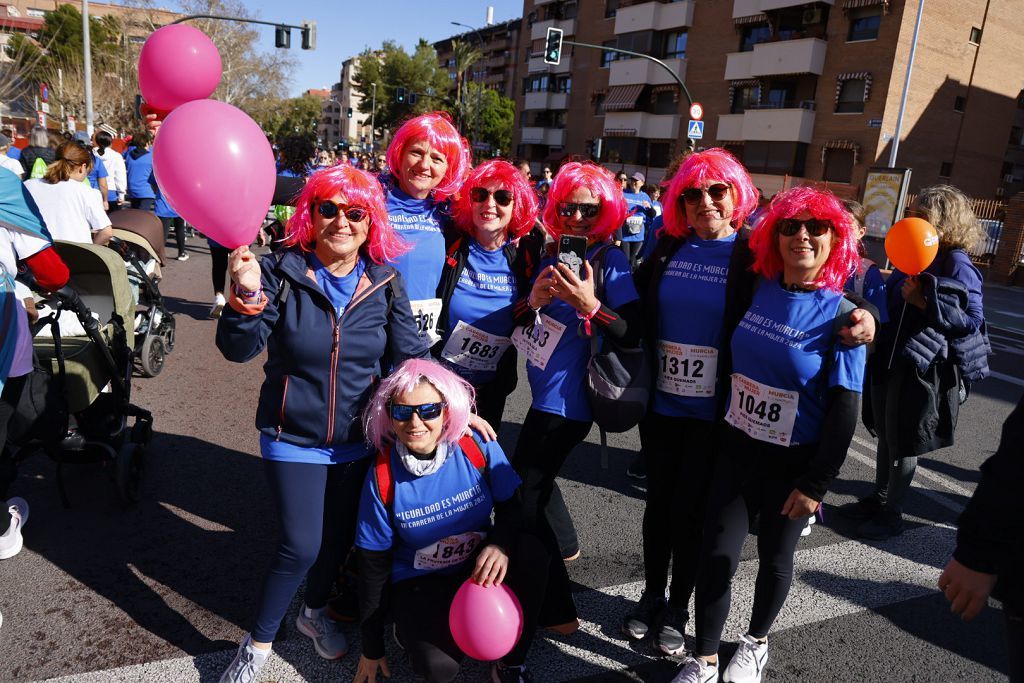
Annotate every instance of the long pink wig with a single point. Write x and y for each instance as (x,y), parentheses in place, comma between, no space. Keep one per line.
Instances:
(436,128)
(506,177)
(843,257)
(715,165)
(598,180)
(455,391)
(360,189)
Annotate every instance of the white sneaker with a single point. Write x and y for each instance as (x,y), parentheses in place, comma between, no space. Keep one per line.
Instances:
(247,663)
(696,670)
(11,542)
(806,531)
(747,665)
(218,305)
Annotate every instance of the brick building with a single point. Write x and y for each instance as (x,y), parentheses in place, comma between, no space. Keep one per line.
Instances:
(336,127)
(497,67)
(794,88)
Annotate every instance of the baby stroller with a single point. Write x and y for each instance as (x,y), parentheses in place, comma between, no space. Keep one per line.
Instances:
(76,404)
(138,238)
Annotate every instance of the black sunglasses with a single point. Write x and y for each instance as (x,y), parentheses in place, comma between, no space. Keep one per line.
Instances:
(569,209)
(330,210)
(427,411)
(815,226)
(717,192)
(479,195)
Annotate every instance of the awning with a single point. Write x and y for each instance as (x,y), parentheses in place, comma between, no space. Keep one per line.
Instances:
(623,97)
(855,4)
(752,19)
(599,92)
(841,144)
(620,132)
(854,76)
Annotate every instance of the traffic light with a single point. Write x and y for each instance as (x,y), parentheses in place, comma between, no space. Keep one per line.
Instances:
(282,37)
(309,35)
(594,148)
(348,113)
(400,95)
(412,98)
(553,46)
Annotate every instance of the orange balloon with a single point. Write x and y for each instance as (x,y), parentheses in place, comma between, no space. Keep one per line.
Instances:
(911,245)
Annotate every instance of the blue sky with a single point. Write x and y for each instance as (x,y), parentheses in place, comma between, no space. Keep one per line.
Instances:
(346,27)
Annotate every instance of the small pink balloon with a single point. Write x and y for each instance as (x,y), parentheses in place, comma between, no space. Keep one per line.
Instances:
(215,167)
(178,64)
(486,623)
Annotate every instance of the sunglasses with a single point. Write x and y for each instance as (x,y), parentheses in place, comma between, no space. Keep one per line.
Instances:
(815,226)
(569,209)
(623,179)
(330,210)
(427,411)
(717,192)
(501,197)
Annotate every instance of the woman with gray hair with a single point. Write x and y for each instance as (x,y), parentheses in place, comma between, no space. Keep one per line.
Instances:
(929,353)
(38,148)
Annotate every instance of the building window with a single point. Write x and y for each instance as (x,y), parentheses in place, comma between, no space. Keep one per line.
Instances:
(851,97)
(975,35)
(946,169)
(753,34)
(839,165)
(638,41)
(531,18)
(608,57)
(35,12)
(745,97)
(659,154)
(959,104)
(563,84)
(610,7)
(599,104)
(665,102)
(776,158)
(675,45)
(864,23)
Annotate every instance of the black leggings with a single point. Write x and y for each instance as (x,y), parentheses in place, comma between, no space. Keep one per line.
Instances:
(545,441)
(179,231)
(219,267)
(632,251)
(8,470)
(679,453)
(750,477)
(420,607)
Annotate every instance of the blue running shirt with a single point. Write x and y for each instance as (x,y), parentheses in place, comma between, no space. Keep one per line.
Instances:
(636,199)
(419,222)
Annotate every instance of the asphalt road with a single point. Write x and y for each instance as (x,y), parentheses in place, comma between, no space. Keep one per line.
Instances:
(162,591)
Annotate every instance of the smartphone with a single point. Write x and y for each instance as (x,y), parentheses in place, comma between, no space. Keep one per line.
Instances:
(138,108)
(572,251)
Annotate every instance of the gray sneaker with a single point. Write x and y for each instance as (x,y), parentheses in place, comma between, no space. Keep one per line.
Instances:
(639,620)
(329,641)
(246,664)
(671,627)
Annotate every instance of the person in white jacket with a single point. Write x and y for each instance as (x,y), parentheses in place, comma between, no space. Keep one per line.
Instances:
(117,180)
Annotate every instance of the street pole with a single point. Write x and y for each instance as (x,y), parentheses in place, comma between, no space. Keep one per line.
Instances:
(906,88)
(87,66)
(373,117)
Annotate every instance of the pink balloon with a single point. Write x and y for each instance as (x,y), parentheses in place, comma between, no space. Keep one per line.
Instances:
(215,168)
(178,64)
(486,622)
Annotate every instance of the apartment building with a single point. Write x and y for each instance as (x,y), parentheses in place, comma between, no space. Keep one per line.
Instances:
(796,89)
(336,126)
(497,67)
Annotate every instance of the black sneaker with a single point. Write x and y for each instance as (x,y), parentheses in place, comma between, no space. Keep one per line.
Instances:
(638,622)
(671,627)
(510,674)
(865,508)
(882,526)
(638,468)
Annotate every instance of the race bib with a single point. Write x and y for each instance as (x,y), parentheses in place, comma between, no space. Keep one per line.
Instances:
(474,349)
(687,370)
(763,412)
(426,312)
(448,551)
(538,342)
(634,224)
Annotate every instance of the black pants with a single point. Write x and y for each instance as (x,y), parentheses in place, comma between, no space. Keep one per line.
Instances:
(679,453)
(490,404)
(421,605)
(750,477)
(179,231)
(1015,642)
(544,443)
(8,470)
(144,203)
(632,251)
(218,267)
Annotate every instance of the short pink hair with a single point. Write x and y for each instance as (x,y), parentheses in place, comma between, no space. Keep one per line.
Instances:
(436,128)
(456,392)
(843,257)
(507,177)
(598,180)
(714,164)
(360,189)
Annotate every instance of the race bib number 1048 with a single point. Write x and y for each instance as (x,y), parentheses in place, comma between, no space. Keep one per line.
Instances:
(763,412)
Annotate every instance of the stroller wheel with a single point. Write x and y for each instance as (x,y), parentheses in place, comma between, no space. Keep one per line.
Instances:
(167,332)
(152,356)
(128,472)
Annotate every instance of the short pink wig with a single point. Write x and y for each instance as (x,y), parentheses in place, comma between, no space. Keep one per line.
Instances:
(506,177)
(843,257)
(360,189)
(455,391)
(598,180)
(715,165)
(437,129)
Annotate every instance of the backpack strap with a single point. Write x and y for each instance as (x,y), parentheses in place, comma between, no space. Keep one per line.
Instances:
(471,449)
(452,250)
(382,477)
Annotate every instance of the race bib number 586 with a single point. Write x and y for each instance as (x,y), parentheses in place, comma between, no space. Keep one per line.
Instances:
(764,412)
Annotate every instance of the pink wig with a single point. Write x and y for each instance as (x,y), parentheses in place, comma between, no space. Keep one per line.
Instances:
(455,391)
(437,129)
(506,177)
(714,165)
(360,189)
(598,180)
(843,257)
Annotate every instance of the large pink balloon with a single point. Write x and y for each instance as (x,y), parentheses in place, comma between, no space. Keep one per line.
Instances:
(178,64)
(216,169)
(486,622)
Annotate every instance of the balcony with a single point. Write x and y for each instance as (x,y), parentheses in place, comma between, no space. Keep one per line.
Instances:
(800,56)
(652,126)
(774,125)
(630,71)
(654,16)
(746,8)
(539,30)
(537,65)
(553,137)
(768,5)
(546,100)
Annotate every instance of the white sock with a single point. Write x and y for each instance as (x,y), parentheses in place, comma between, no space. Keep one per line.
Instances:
(310,613)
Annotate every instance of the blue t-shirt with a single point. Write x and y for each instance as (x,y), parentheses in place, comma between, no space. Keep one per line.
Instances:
(483,298)
(456,499)
(99,170)
(783,341)
(14,152)
(636,200)
(339,289)
(139,167)
(560,387)
(161,208)
(651,238)
(691,306)
(872,289)
(419,222)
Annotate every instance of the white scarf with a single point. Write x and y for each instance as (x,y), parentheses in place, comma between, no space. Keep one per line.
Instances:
(418,466)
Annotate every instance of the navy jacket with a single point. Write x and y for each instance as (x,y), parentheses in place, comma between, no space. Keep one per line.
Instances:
(320,371)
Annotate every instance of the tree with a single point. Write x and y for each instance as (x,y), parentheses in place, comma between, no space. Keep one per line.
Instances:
(465,56)
(391,68)
(497,118)
(297,116)
(20,60)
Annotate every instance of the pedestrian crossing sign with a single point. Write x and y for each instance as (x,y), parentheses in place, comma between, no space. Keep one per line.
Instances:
(696,130)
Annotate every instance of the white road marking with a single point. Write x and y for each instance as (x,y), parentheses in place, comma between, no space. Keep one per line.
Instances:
(931,475)
(1007,378)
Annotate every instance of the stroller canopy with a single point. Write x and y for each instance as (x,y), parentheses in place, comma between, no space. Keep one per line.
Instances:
(144,224)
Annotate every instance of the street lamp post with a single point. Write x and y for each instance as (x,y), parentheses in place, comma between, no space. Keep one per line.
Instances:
(87,66)
(480,89)
(373,115)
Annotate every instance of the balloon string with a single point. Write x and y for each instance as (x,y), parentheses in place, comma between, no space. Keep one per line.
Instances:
(897,337)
